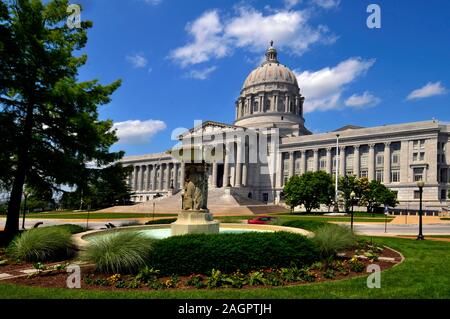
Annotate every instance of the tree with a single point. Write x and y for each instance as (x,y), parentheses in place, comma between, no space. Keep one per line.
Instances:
(103,188)
(347,184)
(310,189)
(376,195)
(52,119)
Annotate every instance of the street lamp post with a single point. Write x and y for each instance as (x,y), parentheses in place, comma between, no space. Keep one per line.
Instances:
(420,184)
(352,198)
(336,194)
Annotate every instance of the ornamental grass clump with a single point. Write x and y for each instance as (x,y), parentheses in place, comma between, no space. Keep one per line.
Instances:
(42,245)
(119,252)
(331,239)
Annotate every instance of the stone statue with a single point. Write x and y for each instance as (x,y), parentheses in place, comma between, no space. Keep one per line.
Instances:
(195,190)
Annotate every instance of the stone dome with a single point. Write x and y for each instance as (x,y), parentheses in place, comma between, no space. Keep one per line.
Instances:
(270,71)
(270,97)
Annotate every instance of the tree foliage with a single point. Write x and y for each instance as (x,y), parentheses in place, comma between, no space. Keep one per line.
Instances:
(310,190)
(49,120)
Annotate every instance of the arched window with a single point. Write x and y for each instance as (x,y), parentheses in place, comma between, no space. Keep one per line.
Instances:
(291,107)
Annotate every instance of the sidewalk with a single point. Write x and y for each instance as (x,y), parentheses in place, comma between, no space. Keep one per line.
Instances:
(402,220)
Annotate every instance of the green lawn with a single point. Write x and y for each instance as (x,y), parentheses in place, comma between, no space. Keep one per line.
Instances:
(94,215)
(424,274)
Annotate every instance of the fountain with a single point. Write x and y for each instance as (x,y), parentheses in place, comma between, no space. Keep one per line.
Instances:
(194,217)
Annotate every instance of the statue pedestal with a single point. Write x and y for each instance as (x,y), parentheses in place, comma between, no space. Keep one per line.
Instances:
(195,222)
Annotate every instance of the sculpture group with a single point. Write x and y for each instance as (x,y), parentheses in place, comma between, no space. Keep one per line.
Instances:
(195,188)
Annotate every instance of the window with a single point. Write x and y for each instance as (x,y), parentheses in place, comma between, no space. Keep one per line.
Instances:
(267,105)
(421,156)
(416,194)
(349,172)
(380,160)
(255,106)
(363,173)
(396,159)
(395,176)
(379,174)
(309,164)
(419,145)
(444,194)
(323,163)
(418,174)
(349,161)
(364,160)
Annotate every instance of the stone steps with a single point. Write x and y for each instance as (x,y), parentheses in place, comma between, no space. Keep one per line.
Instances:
(220,201)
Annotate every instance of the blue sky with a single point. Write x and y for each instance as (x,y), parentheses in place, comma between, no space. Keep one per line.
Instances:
(182,61)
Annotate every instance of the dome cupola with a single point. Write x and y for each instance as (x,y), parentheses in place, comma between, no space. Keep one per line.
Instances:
(270,97)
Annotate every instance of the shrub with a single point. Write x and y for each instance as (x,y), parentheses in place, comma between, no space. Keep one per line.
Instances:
(161,221)
(330,239)
(42,244)
(130,223)
(356,265)
(199,253)
(119,252)
(310,225)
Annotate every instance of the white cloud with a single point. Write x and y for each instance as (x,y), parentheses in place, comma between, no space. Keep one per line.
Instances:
(251,30)
(136,131)
(327,4)
(431,89)
(138,60)
(359,101)
(208,41)
(201,74)
(323,88)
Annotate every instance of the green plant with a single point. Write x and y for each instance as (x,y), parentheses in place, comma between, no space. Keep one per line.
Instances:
(311,225)
(71,228)
(235,280)
(291,274)
(256,278)
(147,274)
(215,279)
(318,265)
(172,282)
(121,284)
(133,284)
(112,280)
(230,252)
(329,274)
(330,239)
(119,252)
(41,245)
(273,277)
(306,274)
(195,281)
(356,265)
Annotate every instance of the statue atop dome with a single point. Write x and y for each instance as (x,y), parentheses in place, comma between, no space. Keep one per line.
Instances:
(271,54)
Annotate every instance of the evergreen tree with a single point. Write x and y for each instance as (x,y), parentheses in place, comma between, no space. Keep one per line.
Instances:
(49,118)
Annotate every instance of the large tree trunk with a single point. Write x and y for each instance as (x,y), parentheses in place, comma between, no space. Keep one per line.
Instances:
(12,219)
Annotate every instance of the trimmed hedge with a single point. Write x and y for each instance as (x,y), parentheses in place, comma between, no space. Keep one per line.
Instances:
(71,228)
(200,253)
(161,221)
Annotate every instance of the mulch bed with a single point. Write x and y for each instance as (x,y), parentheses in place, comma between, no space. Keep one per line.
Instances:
(57,279)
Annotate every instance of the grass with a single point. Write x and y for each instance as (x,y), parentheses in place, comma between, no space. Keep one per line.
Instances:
(424,274)
(94,215)
(42,244)
(119,252)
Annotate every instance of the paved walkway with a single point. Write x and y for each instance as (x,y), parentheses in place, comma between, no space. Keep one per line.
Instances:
(402,220)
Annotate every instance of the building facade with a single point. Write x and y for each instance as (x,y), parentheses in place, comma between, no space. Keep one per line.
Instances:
(268,143)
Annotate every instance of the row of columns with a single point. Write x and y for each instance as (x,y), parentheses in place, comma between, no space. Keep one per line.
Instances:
(145,177)
(342,161)
(245,106)
(240,164)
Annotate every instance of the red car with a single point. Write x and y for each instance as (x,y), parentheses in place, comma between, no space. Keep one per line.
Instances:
(261,220)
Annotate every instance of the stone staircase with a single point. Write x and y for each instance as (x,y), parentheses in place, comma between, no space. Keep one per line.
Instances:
(220,202)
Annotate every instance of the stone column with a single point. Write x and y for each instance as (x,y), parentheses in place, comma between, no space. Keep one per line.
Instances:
(175,175)
(329,161)
(404,161)
(316,160)
(148,179)
(356,159)
(342,168)
(238,165)
(387,163)
(182,176)
(214,174)
(279,170)
(286,104)
(161,177)
(303,162)
(226,165)
(168,176)
(244,174)
(291,164)
(371,160)
(138,178)
(153,177)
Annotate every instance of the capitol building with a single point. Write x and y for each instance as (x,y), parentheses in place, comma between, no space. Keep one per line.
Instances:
(268,142)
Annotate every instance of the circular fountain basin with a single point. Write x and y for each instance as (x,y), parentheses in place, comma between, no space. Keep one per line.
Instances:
(164,231)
